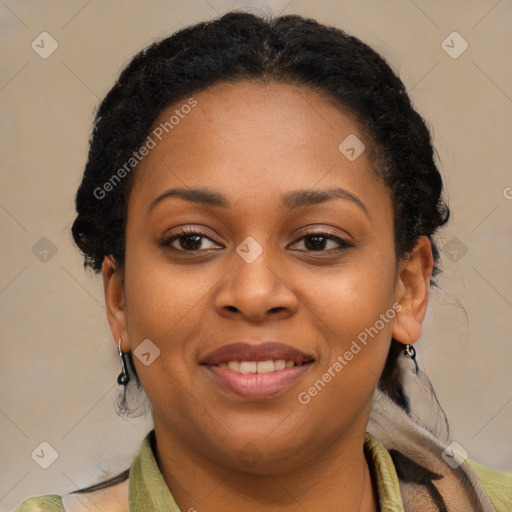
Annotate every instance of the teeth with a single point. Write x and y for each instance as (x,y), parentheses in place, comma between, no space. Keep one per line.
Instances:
(257,366)
(248,366)
(281,364)
(265,366)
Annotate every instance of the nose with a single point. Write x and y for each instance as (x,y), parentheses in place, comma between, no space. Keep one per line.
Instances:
(256,290)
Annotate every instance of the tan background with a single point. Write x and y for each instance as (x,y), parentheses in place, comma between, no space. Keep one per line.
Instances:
(59,364)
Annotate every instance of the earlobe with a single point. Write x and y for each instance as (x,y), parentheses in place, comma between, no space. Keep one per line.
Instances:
(114,298)
(406,329)
(412,292)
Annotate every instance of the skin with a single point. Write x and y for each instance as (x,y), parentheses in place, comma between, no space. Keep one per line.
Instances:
(253,143)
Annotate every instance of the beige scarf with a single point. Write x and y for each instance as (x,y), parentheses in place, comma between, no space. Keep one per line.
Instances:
(433,473)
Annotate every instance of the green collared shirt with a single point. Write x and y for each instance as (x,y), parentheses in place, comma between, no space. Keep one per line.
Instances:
(147,490)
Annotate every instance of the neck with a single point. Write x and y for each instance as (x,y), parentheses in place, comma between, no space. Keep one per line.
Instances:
(337,479)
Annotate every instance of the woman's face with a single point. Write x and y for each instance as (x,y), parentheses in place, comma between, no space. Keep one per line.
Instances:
(257,272)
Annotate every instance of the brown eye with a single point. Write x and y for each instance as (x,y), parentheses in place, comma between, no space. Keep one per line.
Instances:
(315,241)
(189,240)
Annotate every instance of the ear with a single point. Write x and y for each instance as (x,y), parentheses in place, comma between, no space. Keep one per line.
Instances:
(114,300)
(412,292)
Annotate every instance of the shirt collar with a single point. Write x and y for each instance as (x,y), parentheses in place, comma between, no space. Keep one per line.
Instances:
(148,490)
(383,471)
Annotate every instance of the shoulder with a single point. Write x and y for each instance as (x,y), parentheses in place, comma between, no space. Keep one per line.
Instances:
(497,485)
(111,499)
(46,503)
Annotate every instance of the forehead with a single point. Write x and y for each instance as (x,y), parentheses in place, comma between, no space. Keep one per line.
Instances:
(249,138)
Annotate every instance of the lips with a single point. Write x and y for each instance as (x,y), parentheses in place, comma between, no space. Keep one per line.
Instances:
(269,350)
(257,371)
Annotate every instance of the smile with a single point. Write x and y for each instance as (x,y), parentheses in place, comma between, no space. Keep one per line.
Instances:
(257,380)
(257,366)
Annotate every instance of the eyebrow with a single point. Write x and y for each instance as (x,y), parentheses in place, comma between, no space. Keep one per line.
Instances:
(291,201)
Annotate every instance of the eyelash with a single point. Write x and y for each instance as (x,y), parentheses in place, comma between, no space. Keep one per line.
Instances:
(184,232)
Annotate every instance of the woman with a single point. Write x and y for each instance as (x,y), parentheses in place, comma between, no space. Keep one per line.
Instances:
(261,200)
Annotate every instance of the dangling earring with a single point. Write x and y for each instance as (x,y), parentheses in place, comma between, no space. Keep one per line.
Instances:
(123,378)
(410,352)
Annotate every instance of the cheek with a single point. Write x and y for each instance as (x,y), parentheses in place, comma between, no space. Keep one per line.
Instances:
(163,305)
(163,298)
(354,296)
(355,306)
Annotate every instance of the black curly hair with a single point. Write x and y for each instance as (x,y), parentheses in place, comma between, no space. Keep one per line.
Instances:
(289,49)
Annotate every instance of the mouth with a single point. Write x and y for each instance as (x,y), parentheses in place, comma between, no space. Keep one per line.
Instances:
(257,371)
